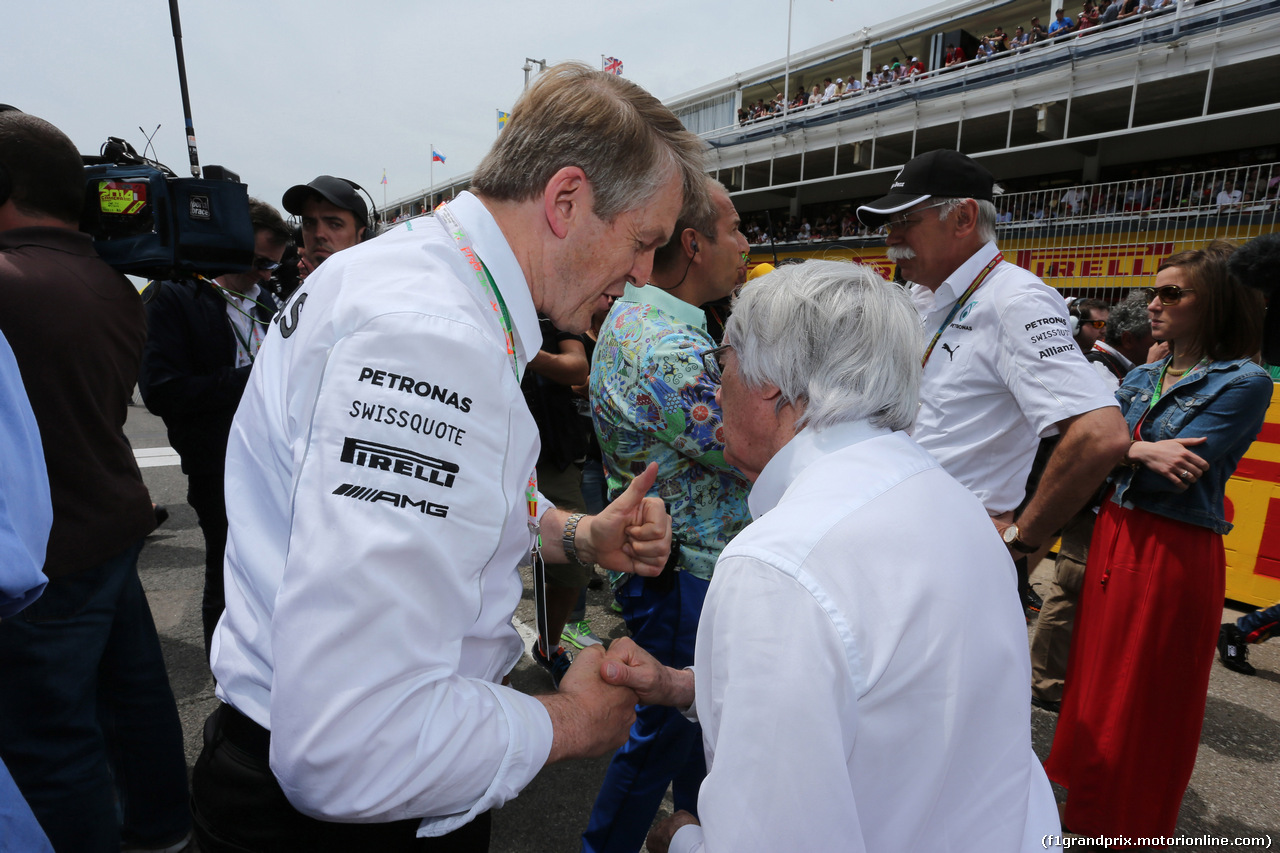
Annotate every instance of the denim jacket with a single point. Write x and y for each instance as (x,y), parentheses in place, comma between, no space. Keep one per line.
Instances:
(1224,401)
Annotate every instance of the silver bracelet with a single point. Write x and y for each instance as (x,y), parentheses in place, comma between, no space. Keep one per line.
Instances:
(570,536)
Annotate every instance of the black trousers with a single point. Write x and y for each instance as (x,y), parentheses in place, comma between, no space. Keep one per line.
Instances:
(238,806)
(205,496)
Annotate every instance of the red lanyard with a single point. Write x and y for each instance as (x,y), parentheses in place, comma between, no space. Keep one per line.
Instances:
(964,297)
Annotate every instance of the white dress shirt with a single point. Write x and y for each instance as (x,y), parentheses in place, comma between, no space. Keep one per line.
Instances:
(861,673)
(1004,373)
(376,476)
(248,330)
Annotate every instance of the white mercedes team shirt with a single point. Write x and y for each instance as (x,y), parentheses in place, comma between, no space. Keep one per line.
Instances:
(862,687)
(376,477)
(1003,374)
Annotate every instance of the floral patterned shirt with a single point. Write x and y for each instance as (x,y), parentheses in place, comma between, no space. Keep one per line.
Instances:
(651,401)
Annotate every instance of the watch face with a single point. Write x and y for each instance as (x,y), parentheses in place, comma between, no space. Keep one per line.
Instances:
(1010,534)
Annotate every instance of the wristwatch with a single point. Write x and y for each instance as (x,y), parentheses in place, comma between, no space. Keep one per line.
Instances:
(570,536)
(1010,537)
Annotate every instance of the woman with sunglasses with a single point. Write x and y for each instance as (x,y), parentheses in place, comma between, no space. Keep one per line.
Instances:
(1147,622)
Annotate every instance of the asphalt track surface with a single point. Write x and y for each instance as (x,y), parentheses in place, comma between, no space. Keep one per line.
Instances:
(1234,791)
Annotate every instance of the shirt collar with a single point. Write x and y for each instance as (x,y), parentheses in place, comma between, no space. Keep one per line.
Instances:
(489,243)
(62,239)
(808,446)
(690,315)
(252,293)
(956,283)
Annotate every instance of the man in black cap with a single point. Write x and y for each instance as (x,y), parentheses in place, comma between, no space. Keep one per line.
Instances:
(334,217)
(1000,367)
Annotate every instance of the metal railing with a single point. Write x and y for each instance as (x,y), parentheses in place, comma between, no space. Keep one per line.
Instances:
(1094,239)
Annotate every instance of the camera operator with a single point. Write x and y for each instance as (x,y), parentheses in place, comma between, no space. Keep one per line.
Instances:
(88,725)
(202,338)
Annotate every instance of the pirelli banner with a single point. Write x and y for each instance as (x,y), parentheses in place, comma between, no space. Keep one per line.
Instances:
(1104,265)
(1253,506)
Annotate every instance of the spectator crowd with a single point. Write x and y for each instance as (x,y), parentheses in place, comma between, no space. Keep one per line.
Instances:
(1250,189)
(1091,18)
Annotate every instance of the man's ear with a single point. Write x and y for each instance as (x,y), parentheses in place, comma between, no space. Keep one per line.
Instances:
(566,198)
(964,219)
(690,244)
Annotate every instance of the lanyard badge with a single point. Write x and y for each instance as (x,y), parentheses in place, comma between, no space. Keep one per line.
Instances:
(499,306)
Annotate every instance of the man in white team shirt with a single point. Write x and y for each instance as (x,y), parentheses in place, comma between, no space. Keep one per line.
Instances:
(381,462)
(1001,370)
(860,687)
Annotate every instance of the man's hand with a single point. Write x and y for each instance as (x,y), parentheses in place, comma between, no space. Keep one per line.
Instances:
(588,716)
(632,534)
(659,840)
(628,665)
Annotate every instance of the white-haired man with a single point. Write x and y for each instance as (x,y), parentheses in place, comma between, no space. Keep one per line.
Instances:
(653,401)
(1000,368)
(832,719)
(383,465)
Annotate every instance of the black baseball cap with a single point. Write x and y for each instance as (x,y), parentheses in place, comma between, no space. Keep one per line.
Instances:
(337,191)
(943,172)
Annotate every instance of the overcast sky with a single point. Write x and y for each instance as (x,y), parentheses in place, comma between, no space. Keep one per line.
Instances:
(284,90)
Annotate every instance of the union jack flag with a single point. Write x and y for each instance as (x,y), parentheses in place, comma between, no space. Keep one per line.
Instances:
(613,65)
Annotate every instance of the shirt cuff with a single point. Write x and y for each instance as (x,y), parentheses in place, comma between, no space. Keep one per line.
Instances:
(691,713)
(529,735)
(688,839)
(543,506)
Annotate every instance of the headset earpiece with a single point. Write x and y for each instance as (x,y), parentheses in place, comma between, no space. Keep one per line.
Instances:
(371,229)
(694,243)
(1073,317)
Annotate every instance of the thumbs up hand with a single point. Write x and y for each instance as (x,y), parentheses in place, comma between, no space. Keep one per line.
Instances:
(632,534)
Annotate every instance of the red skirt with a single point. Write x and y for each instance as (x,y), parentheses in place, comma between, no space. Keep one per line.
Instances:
(1145,635)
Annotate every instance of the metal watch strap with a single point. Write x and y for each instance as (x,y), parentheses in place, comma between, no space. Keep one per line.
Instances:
(570,538)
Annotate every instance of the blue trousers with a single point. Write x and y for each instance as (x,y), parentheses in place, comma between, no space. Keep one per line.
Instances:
(88,724)
(1260,624)
(664,747)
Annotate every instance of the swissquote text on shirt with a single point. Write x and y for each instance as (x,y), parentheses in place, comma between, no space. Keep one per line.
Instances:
(1004,371)
(375,477)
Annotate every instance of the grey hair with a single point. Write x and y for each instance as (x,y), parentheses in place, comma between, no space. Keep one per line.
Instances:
(835,338)
(987,214)
(1128,315)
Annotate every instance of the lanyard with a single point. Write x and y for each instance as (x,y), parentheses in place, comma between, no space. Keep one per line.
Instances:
(499,306)
(490,287)
(1156,394)
(249,345)
(964,297)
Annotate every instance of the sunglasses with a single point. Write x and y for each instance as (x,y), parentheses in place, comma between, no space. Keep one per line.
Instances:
(907,222)
(1170,294)
(265,264)
(711,363)
(1097,324)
